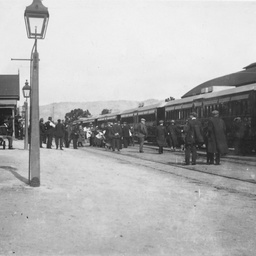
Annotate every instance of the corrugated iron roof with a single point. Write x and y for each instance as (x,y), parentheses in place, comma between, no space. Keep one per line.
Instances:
(248,76)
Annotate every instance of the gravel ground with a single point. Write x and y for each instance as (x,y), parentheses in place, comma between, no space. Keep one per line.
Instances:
(95,204)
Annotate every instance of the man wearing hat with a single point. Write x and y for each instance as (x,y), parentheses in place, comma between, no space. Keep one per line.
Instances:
(217,142)
(172,135)
(42,131)
(142,133)
(108,136)
(49,125)
(161,134)
(116,134)
(59,134)
(126,134)
(193,137)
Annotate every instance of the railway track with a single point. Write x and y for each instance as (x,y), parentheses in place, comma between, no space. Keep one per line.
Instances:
(248,160)
(219,176)
(195,169)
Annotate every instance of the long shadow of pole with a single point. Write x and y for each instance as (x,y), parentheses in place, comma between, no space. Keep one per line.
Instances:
(15,174)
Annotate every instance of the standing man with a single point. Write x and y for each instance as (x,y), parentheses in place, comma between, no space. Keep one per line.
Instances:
(65,137)
(42,131)
(173,133)
(193,137)
(108,135)
(59,134)
(49,125)
(74,136)
(116,133)
(126,134)
(142,133)
(217,142)
(161,134)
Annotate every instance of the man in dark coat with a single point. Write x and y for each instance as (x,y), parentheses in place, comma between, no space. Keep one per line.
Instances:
(74,135)
(66,134)
(142,133)
(173,133)
(217,142)
(59,134)
(161,134)
(42,131)
(126,134)
(193,137)
(116,134)
(108,135)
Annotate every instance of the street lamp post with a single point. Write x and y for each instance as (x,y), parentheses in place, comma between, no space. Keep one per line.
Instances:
(36,19)
(26,93)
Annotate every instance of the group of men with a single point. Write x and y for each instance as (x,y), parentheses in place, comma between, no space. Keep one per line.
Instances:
(116,134)
(214,138)
(50,130)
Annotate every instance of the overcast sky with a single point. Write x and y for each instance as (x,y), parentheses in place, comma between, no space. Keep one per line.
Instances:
(129,50)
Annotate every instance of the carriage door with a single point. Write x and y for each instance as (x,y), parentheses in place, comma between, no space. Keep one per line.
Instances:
(160,114)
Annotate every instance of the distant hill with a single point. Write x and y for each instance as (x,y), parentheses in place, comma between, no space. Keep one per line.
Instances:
(58,110)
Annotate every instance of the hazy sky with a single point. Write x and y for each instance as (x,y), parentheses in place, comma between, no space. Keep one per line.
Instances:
(129,49)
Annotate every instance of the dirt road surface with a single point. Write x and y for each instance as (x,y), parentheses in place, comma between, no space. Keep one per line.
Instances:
(95,204)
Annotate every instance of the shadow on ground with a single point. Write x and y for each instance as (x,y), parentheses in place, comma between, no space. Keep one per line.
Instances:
(12,170)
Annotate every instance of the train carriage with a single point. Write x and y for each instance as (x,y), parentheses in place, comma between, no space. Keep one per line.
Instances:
(87,121)
(102,120)
(130,117)
(152,114)
(231,103)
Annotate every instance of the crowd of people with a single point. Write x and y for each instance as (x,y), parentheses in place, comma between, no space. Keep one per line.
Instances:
(115,136)
(213,135)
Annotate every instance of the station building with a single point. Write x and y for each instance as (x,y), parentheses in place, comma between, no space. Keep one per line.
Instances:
(9,96)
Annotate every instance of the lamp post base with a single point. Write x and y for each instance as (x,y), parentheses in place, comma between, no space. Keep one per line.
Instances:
(35,182)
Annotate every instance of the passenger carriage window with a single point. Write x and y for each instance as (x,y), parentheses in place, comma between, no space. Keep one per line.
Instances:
(244,107)
(230,112)
(202,112)
(224,109)
(207,110)
(237,108)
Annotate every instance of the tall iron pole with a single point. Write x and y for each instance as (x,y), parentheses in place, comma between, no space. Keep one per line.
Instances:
(34,150)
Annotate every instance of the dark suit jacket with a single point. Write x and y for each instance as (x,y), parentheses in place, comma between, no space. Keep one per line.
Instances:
(126,129)
(161,135)
(217,141)
(117,131)
(193,132)
(59,130)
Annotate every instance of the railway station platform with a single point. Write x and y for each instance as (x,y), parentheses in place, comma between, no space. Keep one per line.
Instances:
(93,201)
(232,166)
(235,172)
(238,168)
